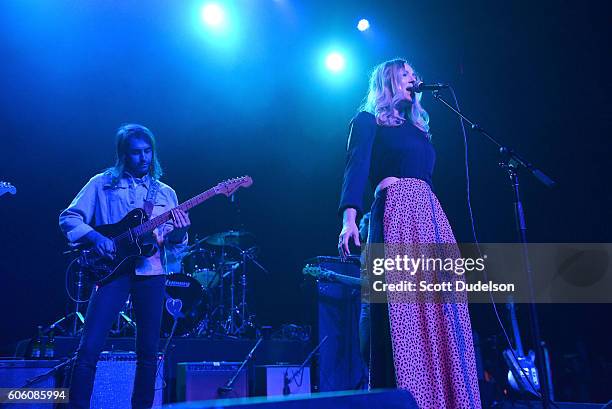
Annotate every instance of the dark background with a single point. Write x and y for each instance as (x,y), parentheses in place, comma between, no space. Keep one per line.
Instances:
(535,74)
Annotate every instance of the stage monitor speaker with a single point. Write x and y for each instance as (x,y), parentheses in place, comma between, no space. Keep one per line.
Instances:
(15,373)
(202,380)
(270,380)
(114,381)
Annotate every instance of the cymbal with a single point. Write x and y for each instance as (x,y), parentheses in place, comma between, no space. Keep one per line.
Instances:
(229,238)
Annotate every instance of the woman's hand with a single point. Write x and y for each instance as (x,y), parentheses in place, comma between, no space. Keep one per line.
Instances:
(349,230)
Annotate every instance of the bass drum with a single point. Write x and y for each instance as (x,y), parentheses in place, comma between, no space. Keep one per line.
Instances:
(187,301)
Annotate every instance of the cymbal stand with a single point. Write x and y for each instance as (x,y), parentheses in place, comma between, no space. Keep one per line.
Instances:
(231,323)
(78,317)
(220,271)
(228,323)
(248,254)
(124,319)
(75,317)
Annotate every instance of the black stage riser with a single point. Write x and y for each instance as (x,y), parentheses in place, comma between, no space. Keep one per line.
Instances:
(332,400)
(197,349)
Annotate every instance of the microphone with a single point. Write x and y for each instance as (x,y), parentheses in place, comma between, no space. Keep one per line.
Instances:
(420,87)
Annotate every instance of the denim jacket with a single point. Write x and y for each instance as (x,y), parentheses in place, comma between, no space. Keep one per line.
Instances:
(100,202)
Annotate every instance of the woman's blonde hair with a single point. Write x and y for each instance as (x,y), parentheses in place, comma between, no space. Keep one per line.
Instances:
(384,97)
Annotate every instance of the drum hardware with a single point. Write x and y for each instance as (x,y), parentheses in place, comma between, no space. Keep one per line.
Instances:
(77,290)
(242,310)
(125,325)
(214,269)
(231,238)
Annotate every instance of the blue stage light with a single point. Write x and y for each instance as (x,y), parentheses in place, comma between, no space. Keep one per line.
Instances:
(335,62)
(213,15)
(363,25)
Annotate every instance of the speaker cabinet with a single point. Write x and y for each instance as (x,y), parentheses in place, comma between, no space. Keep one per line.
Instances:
(202,380)
(270,380)
(15,373)
(115,381)
(341,366)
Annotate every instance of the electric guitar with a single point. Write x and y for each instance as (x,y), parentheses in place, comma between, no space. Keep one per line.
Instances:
(328,275)
(127,234)
(522,374)
(6,187)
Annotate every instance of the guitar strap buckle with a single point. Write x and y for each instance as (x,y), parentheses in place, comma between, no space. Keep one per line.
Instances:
(149,201)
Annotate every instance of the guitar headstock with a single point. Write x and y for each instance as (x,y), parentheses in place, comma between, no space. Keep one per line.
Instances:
(6,187)
(229,186)
(315,271)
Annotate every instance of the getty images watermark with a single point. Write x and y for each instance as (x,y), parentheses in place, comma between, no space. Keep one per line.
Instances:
(560,273)
(412,265)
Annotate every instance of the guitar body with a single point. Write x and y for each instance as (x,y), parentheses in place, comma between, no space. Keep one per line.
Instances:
(522,373)
(127,235)
(128,247)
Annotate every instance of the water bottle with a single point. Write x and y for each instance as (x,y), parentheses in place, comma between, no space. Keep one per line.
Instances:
(37,344)
(50,346)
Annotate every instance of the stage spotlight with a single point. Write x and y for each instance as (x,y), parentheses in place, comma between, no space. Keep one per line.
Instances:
(363,25)
(335,62)
(213,15)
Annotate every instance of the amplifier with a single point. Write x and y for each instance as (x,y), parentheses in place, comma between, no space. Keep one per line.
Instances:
(202,380)
(115,381)
(270,380)
(15,373)
(341,366)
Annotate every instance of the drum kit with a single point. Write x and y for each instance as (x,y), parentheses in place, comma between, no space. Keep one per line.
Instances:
(208,296)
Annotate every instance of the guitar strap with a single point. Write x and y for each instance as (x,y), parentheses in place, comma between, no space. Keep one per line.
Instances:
(149,202)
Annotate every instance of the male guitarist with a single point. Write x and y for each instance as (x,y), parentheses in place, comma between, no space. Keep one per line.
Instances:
(133,182)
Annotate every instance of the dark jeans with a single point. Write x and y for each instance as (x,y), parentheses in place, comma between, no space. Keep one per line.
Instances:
(382,367)
(104,306)
(364,332)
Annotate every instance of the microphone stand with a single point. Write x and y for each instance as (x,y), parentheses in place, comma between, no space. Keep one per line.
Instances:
(287,381)
(222,391)
(511,162)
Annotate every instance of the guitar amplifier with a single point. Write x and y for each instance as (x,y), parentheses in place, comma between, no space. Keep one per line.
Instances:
(15,373)
(202,380)
(115,381)
(270,380)
(341,366)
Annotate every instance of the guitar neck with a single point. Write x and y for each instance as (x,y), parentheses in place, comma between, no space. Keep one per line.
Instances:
(515,328)
(337,277)
(154,223)
(346,280)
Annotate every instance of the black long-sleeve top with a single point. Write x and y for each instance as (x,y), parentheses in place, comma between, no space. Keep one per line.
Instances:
(376,152)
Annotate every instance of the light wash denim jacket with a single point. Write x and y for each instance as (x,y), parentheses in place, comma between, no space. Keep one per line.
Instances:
(99,202)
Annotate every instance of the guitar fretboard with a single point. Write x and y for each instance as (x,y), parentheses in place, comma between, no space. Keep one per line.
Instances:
(152,224)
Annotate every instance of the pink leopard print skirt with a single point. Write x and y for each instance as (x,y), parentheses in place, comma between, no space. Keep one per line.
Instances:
(433,351)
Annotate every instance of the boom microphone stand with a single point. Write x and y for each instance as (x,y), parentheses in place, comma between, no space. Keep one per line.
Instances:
(224,390)
(511,162)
